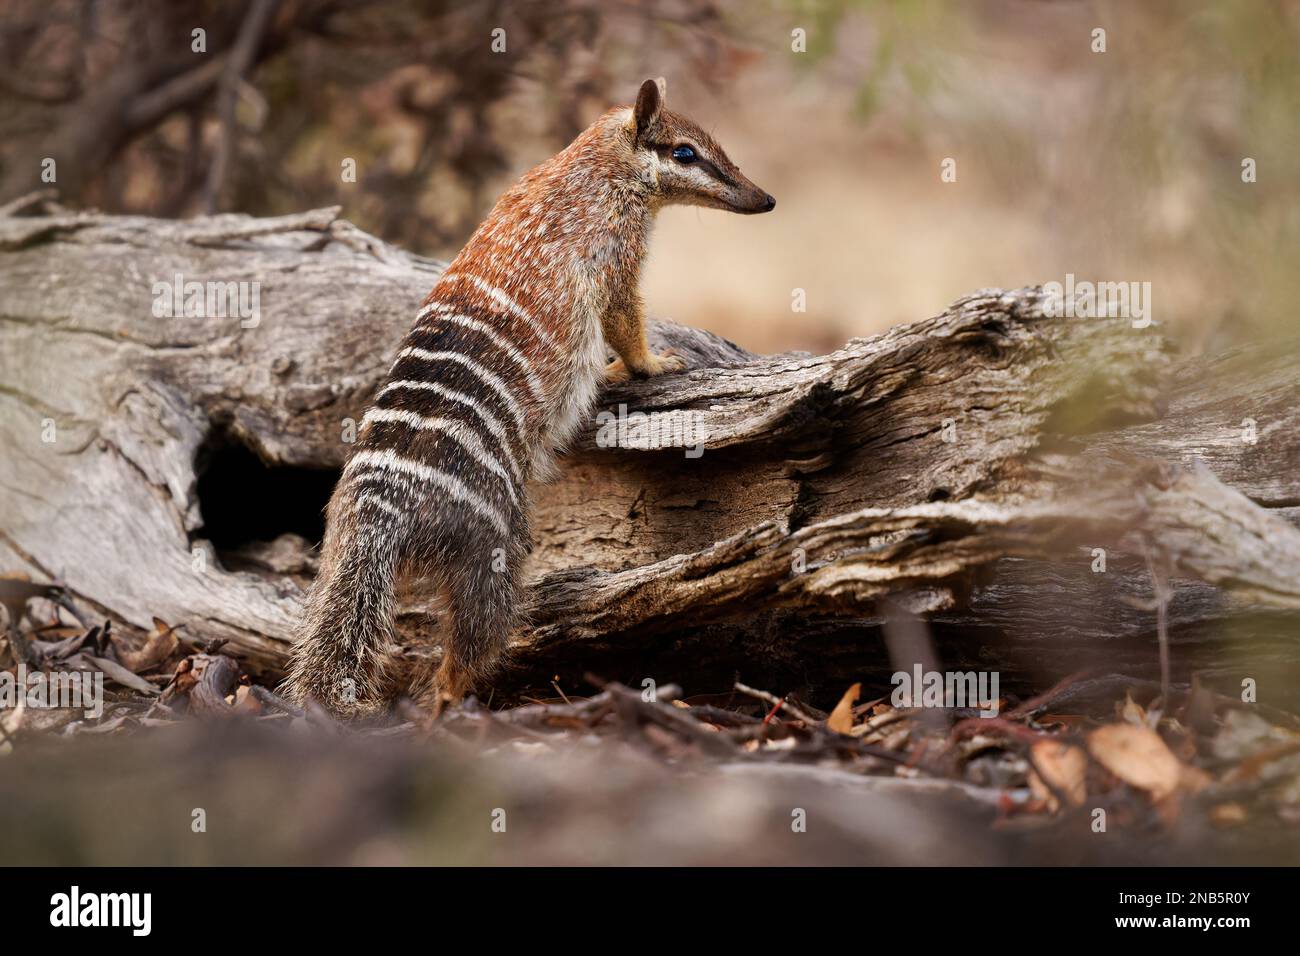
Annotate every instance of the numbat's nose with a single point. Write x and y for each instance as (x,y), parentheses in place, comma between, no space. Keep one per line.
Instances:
(770,203)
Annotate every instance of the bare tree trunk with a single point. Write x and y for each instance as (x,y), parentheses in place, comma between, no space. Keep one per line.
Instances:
(1026,484)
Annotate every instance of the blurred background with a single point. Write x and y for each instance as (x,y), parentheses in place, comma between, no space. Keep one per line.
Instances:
(1120,166)
(1123,165)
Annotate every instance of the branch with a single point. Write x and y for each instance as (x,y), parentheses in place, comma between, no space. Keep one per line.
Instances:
(236,66)
(967,467)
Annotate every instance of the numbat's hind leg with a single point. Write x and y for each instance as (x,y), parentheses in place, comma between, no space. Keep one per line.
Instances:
(481,596)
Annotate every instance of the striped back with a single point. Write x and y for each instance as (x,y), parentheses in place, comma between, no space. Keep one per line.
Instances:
(459,417)
(506,358)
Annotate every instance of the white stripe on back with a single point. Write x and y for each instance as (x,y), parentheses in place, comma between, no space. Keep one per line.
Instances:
(459,432)
(505,301)
(485,375)
(389,461)
(493,423)
(379,503)
(449,314)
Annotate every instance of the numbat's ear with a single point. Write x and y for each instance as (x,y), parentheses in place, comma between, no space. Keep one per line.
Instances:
(648,104)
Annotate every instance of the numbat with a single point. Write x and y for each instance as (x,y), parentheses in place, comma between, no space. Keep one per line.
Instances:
(502,365)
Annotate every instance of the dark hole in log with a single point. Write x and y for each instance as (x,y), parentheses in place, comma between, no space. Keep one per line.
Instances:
(244,501)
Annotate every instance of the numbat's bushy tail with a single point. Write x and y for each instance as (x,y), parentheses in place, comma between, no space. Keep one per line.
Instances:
(503,363)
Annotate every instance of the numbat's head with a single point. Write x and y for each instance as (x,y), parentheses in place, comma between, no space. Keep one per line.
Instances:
(680,163)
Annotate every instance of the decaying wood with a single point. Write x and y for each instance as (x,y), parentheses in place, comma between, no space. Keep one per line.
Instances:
(964,468)
(219,678)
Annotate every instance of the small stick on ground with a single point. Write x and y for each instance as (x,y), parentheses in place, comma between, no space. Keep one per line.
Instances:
(556,685)
(274,700)
(1043,700)
(1163,592)
(777,702)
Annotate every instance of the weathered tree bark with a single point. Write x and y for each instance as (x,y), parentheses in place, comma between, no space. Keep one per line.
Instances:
(766,516)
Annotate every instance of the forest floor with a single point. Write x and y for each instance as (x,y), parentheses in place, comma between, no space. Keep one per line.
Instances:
(192,762)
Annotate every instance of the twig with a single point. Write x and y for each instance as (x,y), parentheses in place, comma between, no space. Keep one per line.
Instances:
(631,707)
(231,227)
(240,59)
(973,725)
(873,724)
(779,702)
(1041,701)
(582,713)
(1163,592)
(37,197)
(562,694)
(721,716)
(274,700)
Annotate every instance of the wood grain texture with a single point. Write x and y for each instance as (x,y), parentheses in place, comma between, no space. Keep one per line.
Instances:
(963,466)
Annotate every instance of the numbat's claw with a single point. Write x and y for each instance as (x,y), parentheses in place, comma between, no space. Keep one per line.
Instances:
(649,366)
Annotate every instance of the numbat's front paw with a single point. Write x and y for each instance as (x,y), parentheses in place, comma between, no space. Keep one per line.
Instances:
(651,365)
(669,361)
(616,372)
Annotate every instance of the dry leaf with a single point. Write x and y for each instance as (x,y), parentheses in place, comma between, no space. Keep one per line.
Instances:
(1260,750)
(116,672)
(1131,712)
(1063,767)
(841,718)
(1139,757)
(183,680)
(58,633)
(1227,814)
(245,702)
(158,646)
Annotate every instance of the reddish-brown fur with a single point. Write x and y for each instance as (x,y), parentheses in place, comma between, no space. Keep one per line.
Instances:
(502,365)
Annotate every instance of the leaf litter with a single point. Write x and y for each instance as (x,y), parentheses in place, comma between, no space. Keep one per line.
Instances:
(1146,764)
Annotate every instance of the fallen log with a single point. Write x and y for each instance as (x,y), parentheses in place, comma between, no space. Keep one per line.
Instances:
(760,515)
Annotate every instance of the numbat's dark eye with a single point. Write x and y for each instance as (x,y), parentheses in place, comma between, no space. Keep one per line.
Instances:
(684,154)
